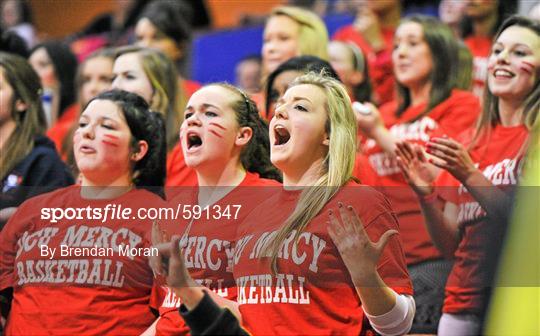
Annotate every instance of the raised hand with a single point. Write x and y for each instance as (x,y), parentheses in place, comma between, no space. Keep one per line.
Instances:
(450,155)
(357,251)
(368,118)
(415,167)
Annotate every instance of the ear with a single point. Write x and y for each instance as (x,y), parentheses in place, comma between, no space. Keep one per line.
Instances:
(20,106)
(326,141)
(243,136)
(140,152)
(356,78)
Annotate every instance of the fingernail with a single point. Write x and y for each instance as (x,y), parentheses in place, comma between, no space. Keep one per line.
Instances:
(350,207)
(340,204)
(428,150)
(330,212)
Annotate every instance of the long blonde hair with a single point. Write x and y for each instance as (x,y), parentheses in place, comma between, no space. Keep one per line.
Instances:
(337,165)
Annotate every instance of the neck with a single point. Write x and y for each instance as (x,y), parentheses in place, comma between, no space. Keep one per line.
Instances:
(391,17)
(105,189)
(230,174)
(484,26)
(215,184)
(511,113)
(6,129)
(298,178)
(420,93)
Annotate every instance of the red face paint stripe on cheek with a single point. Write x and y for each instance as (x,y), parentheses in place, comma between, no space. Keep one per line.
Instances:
(110,136)
(218,126)
(109,143)
(215,133)
(527,67)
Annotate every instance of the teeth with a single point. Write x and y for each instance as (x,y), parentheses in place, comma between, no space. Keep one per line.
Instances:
(502,72)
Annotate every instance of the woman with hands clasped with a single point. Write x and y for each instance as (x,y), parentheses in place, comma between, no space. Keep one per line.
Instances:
(480,172)
(304,261)
(425,60)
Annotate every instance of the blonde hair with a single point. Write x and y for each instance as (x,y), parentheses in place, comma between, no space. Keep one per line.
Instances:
(313,35)
(168,98)
(337,165)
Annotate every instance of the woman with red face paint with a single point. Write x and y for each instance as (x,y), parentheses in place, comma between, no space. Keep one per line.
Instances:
(73,266)
(480,173)
(425,60)
(226,142)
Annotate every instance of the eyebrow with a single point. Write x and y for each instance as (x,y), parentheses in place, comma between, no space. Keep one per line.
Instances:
(281,100)
(514,45)
(205,105)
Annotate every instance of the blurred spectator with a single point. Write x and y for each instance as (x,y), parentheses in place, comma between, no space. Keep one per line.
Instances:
(290,32)
(373,32)
(56,65)
(248,74)
(16,16)
(166,25)
(12,43)
(116,26)
(30,164)
(451,12)
(94,76)
(351,65)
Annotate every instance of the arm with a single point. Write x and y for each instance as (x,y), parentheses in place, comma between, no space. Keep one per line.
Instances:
(441,226)
(388,312)
(453,157)
(205,317)
(170,263)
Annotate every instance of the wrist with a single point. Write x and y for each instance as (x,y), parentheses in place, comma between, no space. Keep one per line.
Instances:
(428,198)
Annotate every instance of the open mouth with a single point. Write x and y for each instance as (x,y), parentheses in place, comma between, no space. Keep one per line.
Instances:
(501,73)
(193,141)
(282,135)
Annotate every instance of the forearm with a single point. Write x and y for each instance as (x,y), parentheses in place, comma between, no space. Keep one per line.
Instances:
(493,200)
(190,296)
(385,139)
(443,233)
(388,312)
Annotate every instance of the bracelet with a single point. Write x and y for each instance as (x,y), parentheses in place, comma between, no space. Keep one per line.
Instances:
(431,198)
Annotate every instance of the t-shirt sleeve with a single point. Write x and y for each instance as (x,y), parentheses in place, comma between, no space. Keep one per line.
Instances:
(9,237)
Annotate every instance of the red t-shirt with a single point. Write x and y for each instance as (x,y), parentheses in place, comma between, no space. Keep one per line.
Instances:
(105,292)
(210,246)
(58,132)
(379,63)
(480,47)
(312,292)
(377,168)
(499,156)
